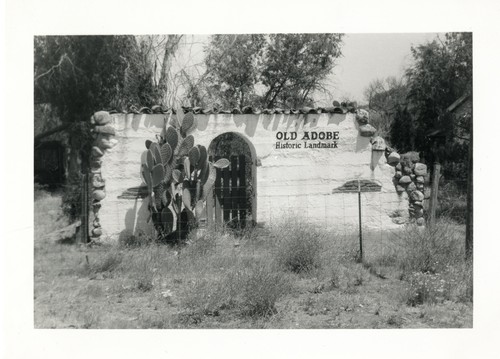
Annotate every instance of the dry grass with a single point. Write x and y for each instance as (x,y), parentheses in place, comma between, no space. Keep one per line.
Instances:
(48,215)
(288,276)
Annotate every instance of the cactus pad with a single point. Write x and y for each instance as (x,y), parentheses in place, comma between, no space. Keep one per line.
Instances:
(166,153)
(222,163)
(205,171)
(150,162)
(155,148)
(146,174)
(203,156)
(166,198)
(188,124)
(158,174)
(212,174)
(172,137)
(157,197)
(187,168)
(177,175)
(186,145)
(167,219)
(168,173)
(194,156)
(186,198)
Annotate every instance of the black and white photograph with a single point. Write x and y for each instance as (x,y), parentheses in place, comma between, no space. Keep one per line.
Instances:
(224,181)
(228,181)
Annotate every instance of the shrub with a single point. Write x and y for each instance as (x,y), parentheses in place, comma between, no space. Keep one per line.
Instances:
(130,240)
(262,286)
(454,284)
(252,290)
(453,201)
(433,263)
(109,263)
(430,249)
(424,288)
(48,215)
(298,246)
(207,296)
(346,275)
(203,243)
(140,266)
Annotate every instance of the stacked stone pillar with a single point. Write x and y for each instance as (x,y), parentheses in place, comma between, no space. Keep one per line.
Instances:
(103,142)
(410,178)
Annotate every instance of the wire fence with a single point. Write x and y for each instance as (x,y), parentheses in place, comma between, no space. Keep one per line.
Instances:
(370,219)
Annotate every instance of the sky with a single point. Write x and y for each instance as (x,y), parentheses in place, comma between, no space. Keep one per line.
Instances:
(367,57)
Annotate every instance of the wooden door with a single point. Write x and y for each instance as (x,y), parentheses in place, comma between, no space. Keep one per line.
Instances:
(229,203)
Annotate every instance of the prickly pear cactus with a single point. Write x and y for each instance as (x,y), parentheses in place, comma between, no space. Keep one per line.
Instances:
(178,176)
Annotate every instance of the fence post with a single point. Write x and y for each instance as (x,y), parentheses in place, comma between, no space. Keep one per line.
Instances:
(434,194)
(360,224)
(470,197)
(84,216)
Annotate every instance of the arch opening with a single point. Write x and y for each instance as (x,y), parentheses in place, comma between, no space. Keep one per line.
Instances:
(234,198)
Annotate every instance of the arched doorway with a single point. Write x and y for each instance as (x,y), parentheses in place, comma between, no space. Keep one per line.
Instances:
(234,200)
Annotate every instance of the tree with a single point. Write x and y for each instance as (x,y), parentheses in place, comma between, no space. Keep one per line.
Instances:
(157,53)
(78,75)
(386,99)
(269,71)
(233,67)
(441,73)
(416,105)
(295,65)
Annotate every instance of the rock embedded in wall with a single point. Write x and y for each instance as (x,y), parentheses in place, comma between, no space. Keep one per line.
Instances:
(103,141)
(362,116)
(367,130)
(420,169)
(100,118)
(404,180)
(378,144)
(393,159)
(411,187)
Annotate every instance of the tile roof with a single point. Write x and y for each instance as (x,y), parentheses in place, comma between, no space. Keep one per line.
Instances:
(340,108)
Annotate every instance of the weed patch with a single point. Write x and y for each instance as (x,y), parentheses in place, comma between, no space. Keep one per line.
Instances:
(251,290)
(430,249)
(262,286)
(298,246)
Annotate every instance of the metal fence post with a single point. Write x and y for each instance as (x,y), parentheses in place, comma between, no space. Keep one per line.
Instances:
(360,224)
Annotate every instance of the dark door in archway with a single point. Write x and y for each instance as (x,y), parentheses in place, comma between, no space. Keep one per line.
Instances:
(230,202)
(233,195)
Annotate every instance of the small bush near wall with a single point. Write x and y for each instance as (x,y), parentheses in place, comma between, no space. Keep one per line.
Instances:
(298,246)
(432,260)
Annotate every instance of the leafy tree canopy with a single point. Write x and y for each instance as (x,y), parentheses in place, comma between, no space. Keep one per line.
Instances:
(442,73)
(286,68)
(233,64)
(416,105)
(78,75)
(295,65)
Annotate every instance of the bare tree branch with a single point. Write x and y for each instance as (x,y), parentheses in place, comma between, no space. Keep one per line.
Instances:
(63,58)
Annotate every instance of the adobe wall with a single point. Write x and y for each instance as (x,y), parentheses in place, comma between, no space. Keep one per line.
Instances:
(290,181)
